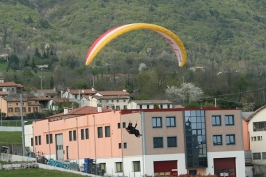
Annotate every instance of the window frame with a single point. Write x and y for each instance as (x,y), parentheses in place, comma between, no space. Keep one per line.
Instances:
(119,167)
(87,134)
(231,135)
(74,135)
(70,135)
(107,131)
(214,120)
(227,120)
(217,143)
(171,144)
(136,166)
(82,134)
(100,132)
(170,123)
(156,121)
(157,142)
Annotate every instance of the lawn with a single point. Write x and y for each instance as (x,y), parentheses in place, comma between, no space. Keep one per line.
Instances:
(10,138)
(36,172)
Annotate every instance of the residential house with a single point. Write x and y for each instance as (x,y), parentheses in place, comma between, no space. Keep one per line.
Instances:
(149,104)
(257,135)
(12,105)
(173,141)
(76,95)
(107,99)
(50,93)
(10,87)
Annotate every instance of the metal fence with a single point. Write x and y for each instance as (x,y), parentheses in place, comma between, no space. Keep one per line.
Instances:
(13,148)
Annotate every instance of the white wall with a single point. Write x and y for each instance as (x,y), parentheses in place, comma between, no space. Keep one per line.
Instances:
(257,146)
(239,159)
(10,129)
(28,135)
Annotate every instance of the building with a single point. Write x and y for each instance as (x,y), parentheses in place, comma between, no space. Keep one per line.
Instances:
(76,95)
(149,104)
(10,87)
(257,135)
(11,106)
(173,141)
(107,99)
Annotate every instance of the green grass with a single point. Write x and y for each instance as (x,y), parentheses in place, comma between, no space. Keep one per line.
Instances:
(36,172)
(3,67)
(10,138)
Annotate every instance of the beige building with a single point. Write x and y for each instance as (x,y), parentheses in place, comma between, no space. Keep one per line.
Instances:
(11,106)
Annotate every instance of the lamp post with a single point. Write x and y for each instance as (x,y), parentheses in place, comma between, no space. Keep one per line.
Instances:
(22,126)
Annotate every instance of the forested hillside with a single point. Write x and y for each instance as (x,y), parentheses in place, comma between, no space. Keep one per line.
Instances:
(226,36)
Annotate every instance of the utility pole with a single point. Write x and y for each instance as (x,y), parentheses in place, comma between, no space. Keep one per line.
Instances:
(22,126)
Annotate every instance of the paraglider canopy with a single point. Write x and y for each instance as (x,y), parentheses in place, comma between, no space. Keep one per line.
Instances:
(113,33)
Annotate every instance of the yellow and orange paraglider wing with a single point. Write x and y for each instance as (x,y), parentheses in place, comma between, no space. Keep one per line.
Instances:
(113,33)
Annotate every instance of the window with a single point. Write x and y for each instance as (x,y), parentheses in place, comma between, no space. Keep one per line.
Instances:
(24,109)
(216,120)
(36,140)
(119,166)
(31,141)
(125,145)
(87,133)
(157,122)
(171,141)
(70,135)
(10,109)
(118,125)
(259,126)
(124,124)
(125,107)
(119,145)
(35,109)
(100,132)
(158,142)
(229,120)
(256,156)
(40,140)
(117,108)
(103,166)
(107,131)
(16,104)
(148,106)
(217,139)
(140,106)
(263,155)
(74,135)
(230,139)
(170,122)
(49,139)
(136,166)
(29,109)
(16,109)
(82,134)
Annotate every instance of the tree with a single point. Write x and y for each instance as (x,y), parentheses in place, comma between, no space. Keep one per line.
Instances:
(13,62)
(186,93)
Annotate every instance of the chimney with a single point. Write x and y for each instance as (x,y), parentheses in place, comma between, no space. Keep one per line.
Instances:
(92,89)
(99,107)
(65,110)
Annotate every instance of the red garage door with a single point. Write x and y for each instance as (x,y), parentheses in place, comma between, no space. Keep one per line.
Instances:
(225,167)
(165,168)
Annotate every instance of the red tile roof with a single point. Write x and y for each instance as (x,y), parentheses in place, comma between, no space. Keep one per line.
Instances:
(83,92)
(10,84)
(114,93)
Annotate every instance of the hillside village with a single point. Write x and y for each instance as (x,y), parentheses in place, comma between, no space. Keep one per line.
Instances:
(175,140)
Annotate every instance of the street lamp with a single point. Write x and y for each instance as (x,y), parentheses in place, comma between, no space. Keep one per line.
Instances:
(22,126)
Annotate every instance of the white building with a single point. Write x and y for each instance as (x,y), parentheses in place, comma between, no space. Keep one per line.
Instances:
(149,104)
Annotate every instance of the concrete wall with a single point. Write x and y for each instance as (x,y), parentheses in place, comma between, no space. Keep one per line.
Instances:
(15,158)
(10,129)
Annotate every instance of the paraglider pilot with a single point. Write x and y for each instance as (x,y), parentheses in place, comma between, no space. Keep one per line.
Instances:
(132,130)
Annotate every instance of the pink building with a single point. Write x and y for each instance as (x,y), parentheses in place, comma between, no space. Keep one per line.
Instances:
(173,141)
